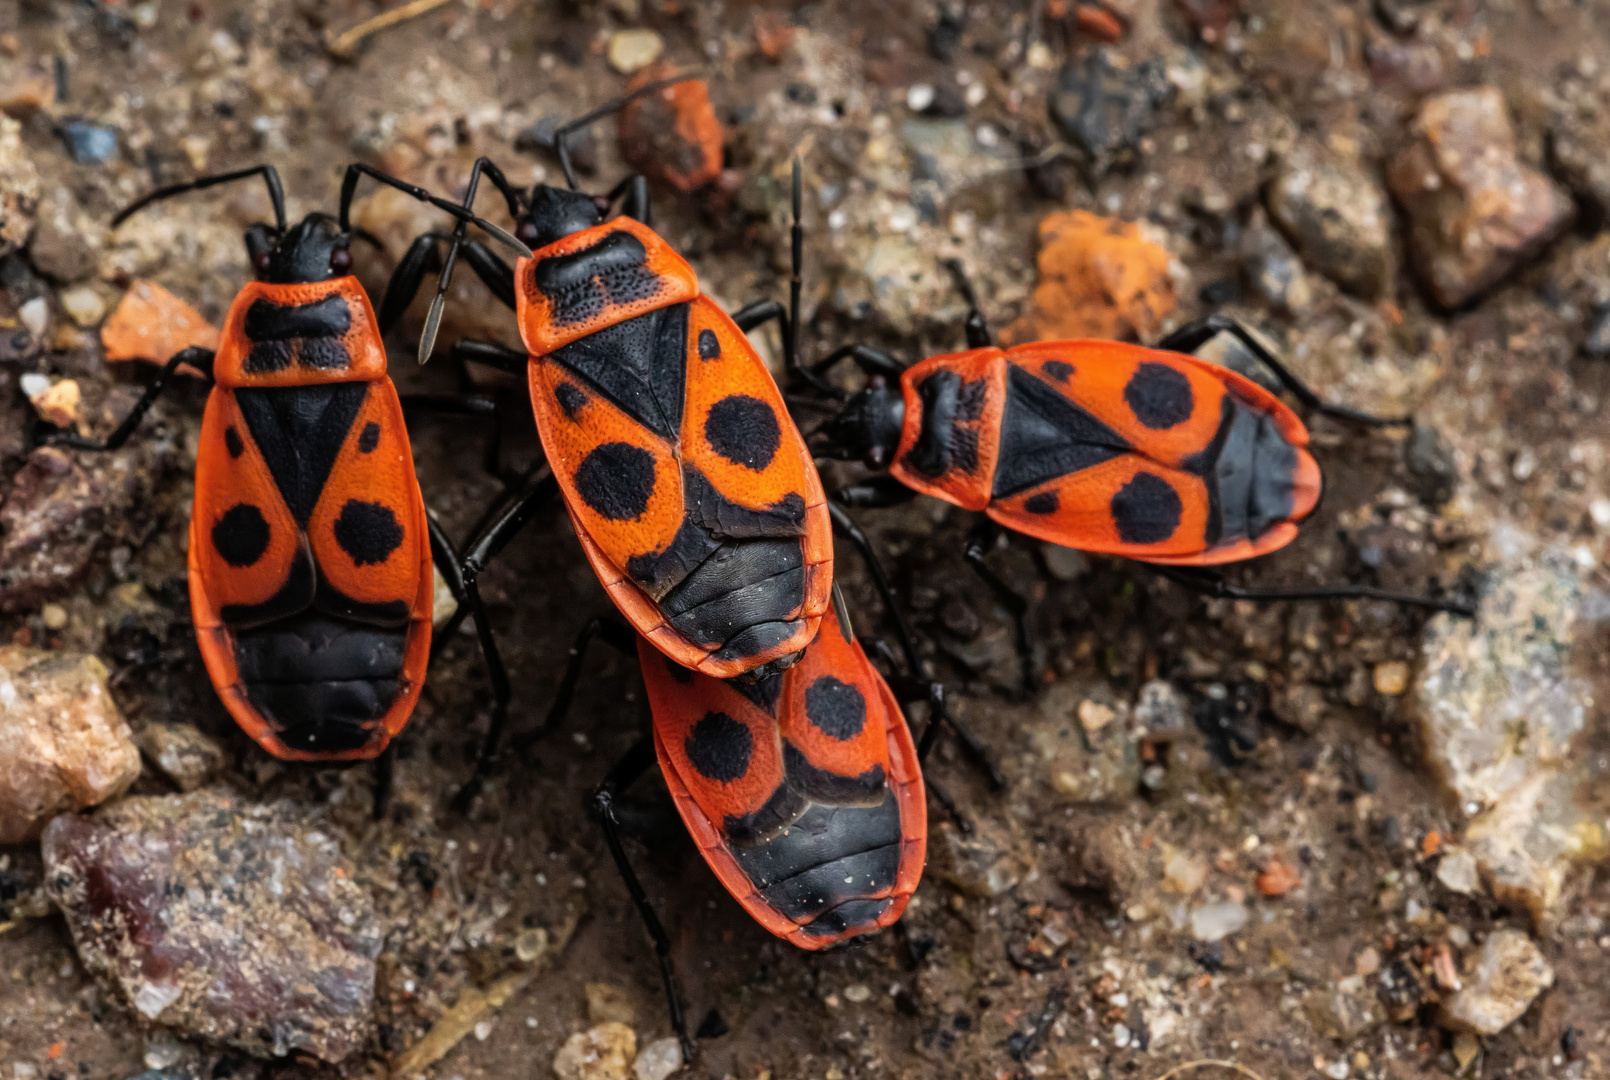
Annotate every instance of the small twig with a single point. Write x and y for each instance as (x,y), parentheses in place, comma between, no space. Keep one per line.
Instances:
(1204,1062)
(344,43)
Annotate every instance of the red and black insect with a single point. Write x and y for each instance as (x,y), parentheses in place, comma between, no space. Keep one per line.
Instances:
(692,492)
(1148,453)
(310,549)
(802,789)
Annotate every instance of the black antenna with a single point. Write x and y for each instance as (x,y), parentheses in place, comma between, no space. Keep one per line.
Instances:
(562,135)
(358,170)
(276,194)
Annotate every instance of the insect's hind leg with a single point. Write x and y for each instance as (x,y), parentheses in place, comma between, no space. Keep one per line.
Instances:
(982,539)
(613,633)
(196,356)
(620,777)
(1193,335)
(1214,585)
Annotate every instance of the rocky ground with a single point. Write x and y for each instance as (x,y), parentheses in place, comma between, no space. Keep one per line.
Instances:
(1314,840)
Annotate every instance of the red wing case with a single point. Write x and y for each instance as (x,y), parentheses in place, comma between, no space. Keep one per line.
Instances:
(802,790)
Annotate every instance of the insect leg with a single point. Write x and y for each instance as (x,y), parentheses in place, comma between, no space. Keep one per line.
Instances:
(629,768)
(383,781)
(849,530)
(977,329)
(615,634)
(636,204)
(404,282)
(982,539)
(195,356)
(492,354)
(1192,336)
(870,360)
(875,492)
(464,405)
(1209,584)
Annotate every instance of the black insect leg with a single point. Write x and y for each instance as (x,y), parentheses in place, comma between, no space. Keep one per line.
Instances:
(920,686)
(637,203)
(384,778)
(612,632)
(561,137)
(977,329)
(1211,584)
(417,261)
(465,405)
(480,551)
(626,771)
(1192,336)
(875,492)
(195,356)
(490,353)
(978,544)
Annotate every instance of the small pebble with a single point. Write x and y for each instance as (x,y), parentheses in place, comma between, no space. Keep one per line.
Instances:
(919,97)
(84,305)
(1391,678)
(1093,716)
(1457,871)
(89,144)
(857,993)
(54,616)
(633,50)
(35,315)
(1215,922)
(659,1059)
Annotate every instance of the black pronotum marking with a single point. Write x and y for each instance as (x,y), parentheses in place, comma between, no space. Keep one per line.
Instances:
(232,442)
(241,535)
(640,365)
(836,709)
(324,353)
(327,318)
(369,438)
(1045,435)
(719,747)
(709,345)
(943,444)
(1045,502)
(744,430)
(616,480)
(299,431)
(570,399)
(581,286)
(1159,396)
(267,357)
(1146,510)
(1059,370)
(367,531)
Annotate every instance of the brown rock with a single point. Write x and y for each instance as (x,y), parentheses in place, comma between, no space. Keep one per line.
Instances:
(63,741)
(185,755)
(1476,212)
(601,1053)
(672,135)
(67,242)
(1099,278)
(64,507)
(1499,985)
(1336,215)
(19,188)
(27,88)
(220,919)
(150,323)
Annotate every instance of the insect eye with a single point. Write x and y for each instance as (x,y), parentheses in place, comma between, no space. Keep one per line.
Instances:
(874,457)
(340,259)
(260,260)
(527,232)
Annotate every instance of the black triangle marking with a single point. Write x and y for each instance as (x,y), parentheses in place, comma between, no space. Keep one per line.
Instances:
(639,364)
(299,430)
(1044,435)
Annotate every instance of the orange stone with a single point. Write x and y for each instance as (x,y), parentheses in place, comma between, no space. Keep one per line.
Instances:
(672,135)
(1099,24)
(150,323)
(1099,278)
(1278,879)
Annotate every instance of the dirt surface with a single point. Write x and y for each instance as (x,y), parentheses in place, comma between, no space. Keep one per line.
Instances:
(1261,763)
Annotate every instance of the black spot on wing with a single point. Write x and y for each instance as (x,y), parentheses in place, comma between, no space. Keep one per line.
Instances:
(369,438)
(367,531)
(1045,502)
(837,709)
(1045,435)
(241,535)
(744,430)
(1159,396)
(639,364)
(616,480)
(232,442)
(326,318)
(1059,370)
(1146,510)
(709,345)
(570,399)
(299,431)
(719,747)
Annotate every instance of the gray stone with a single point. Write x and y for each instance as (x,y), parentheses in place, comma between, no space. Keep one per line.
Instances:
(1336,216)
(1504,979)
(1273,269)
(185,756)
(235,922)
